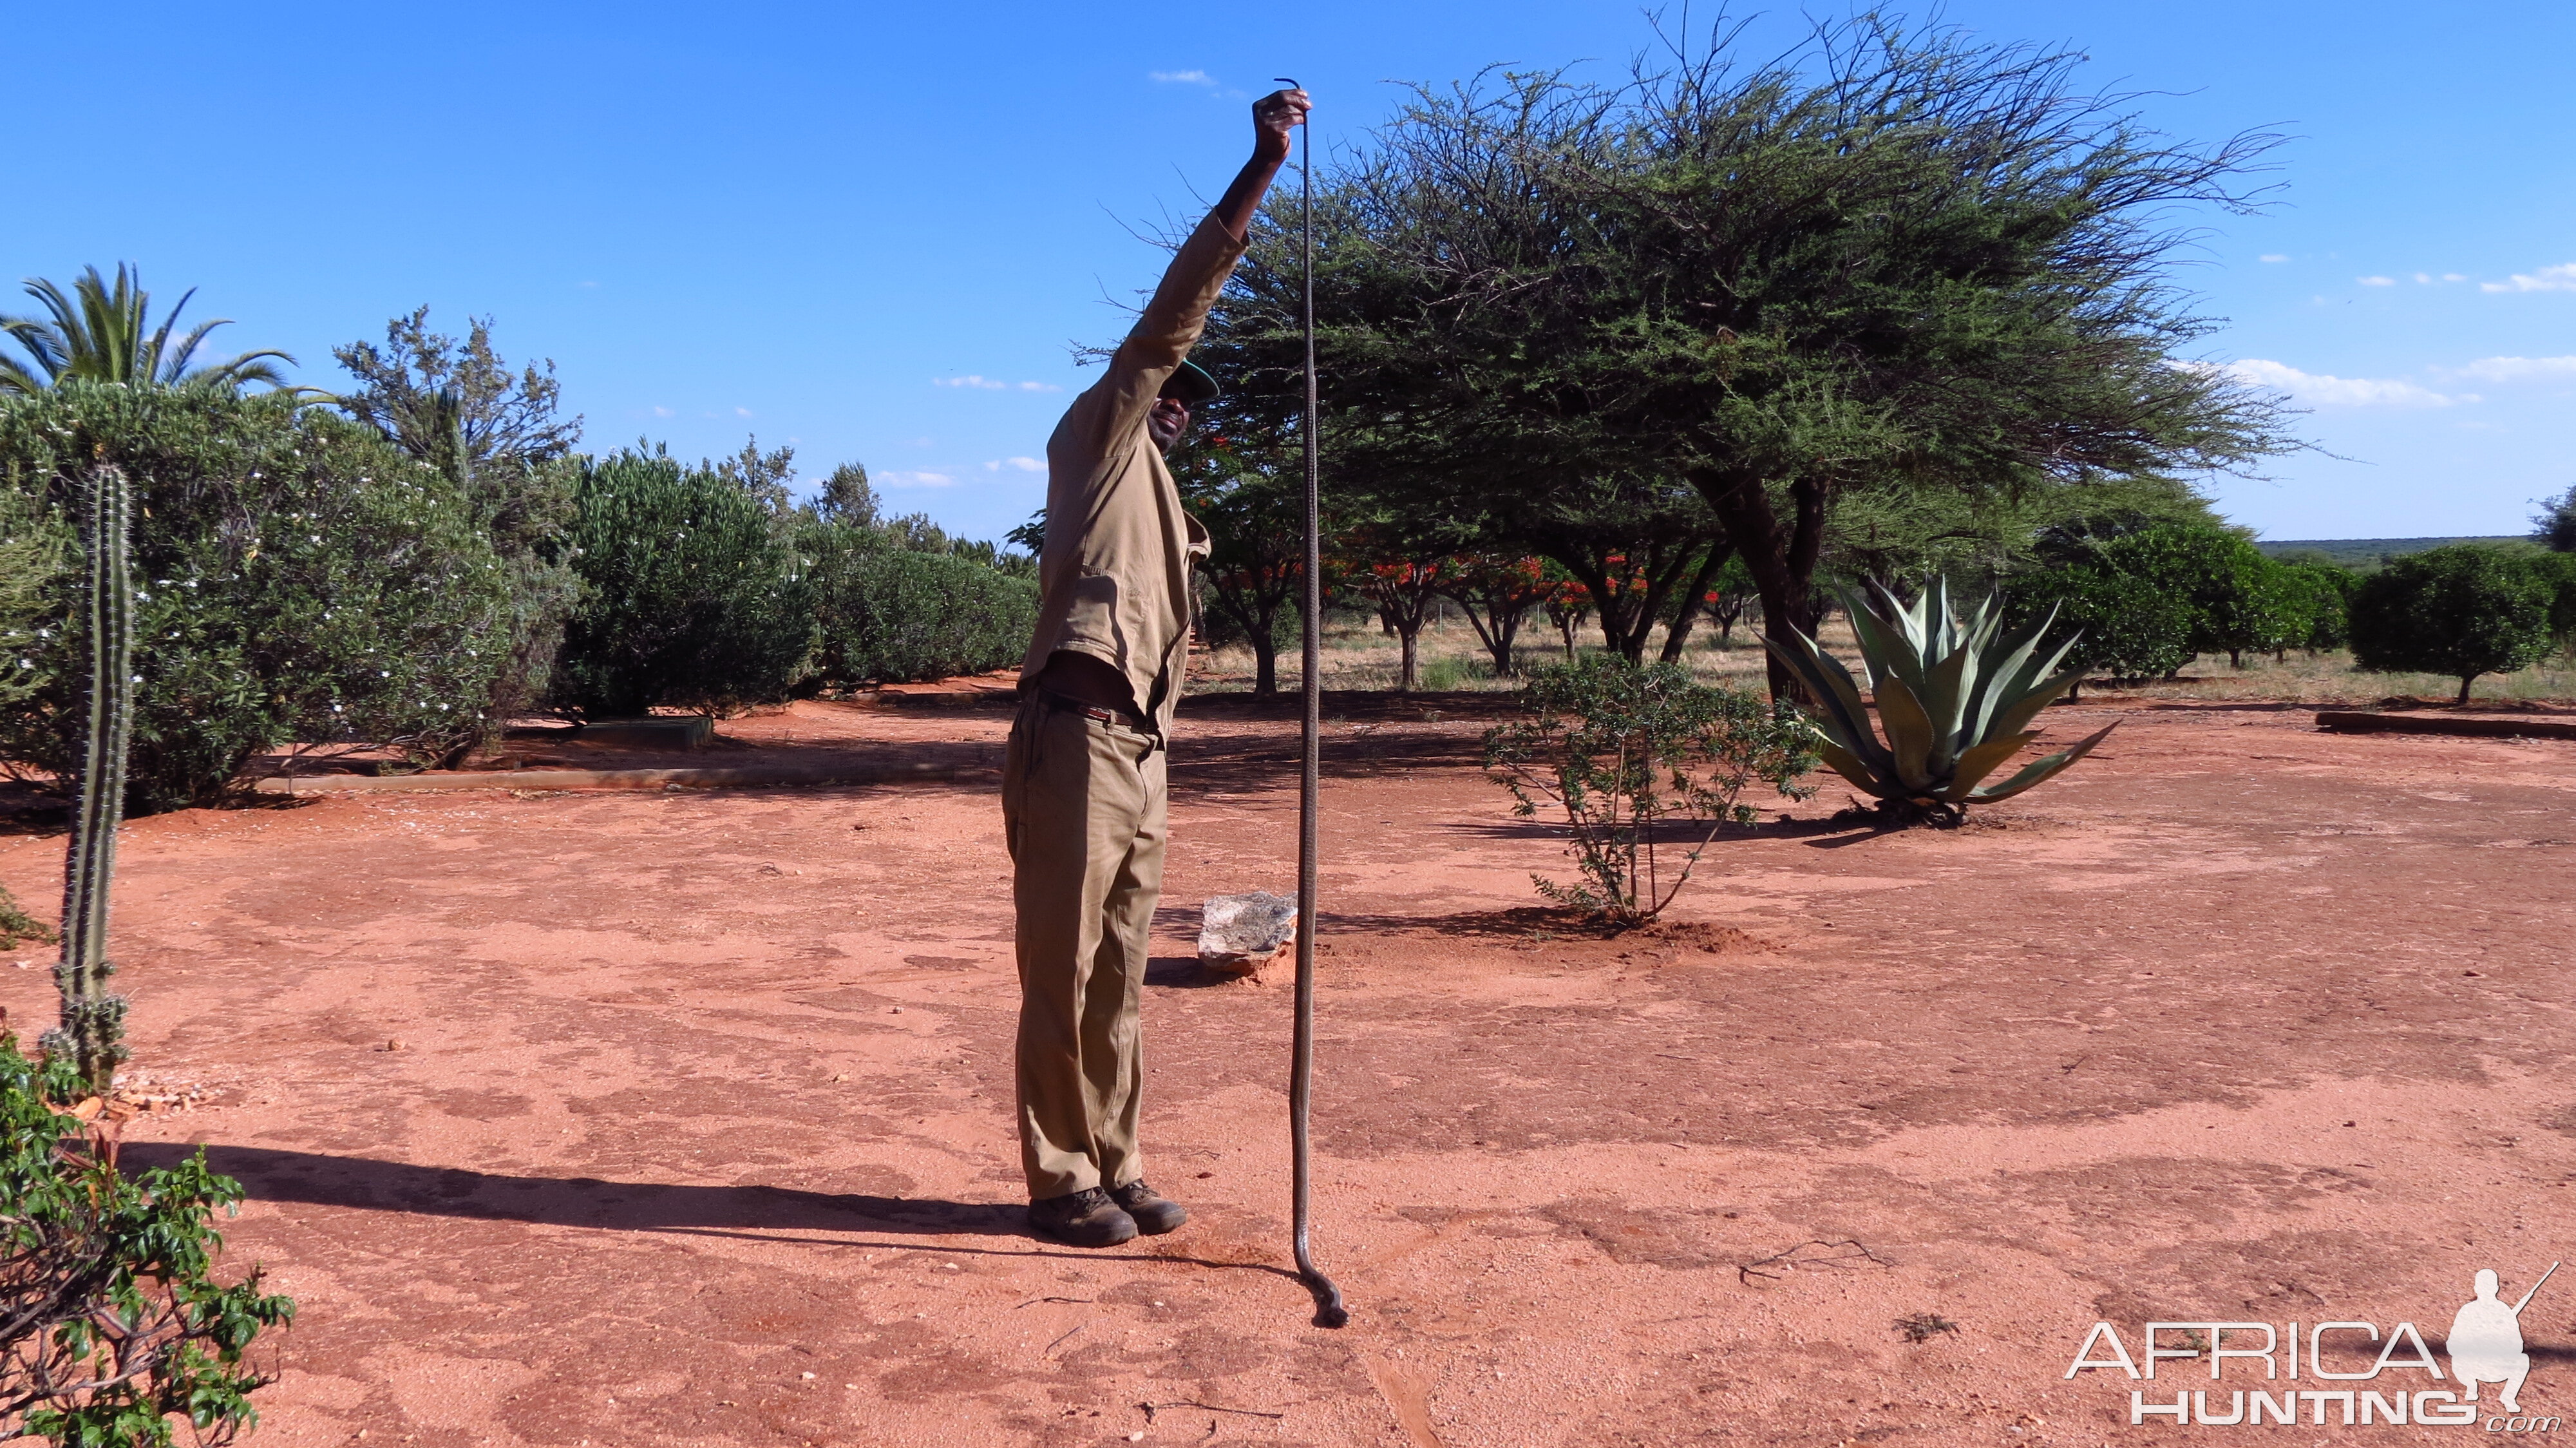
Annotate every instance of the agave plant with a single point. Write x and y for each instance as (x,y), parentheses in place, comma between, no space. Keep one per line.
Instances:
(1954,697)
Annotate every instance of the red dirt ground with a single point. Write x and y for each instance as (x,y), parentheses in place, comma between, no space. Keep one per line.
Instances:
(697,1133)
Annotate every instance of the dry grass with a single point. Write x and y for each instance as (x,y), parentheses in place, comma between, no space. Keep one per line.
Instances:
(1451,658)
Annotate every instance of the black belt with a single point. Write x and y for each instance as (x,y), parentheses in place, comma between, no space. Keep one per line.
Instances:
(1067,704)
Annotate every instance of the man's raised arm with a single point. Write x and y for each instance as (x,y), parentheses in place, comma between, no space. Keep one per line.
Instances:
(1172,321)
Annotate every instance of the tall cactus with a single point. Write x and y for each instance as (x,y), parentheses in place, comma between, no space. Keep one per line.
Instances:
(93,1019)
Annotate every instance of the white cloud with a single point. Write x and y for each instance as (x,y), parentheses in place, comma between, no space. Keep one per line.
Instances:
(2329,391)
(2560,278)
(742,412)
(2273,256)
(664,412)
(1181,77)
(989,384)
(2518,369)
(2376,281)
(916,480)
(1025,465)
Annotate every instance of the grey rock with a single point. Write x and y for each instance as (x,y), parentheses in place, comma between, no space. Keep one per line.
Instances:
(1239,934)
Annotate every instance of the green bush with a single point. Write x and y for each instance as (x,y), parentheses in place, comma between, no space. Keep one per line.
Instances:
(111,1322)
(32,544)
(1626,750)
(2557,571)
(2240,601)
(298,578)
(691,594)
(2323,597)
(896,614)
(2463,611)
(2149,601)
(2125,626)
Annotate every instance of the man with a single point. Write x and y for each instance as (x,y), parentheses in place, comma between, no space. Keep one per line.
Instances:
(1083,786)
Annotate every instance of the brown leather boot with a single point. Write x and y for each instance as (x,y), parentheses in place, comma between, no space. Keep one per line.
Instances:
(1087,1218)
(1154,1213)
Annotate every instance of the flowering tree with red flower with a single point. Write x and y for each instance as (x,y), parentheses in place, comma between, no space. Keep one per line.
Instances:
(1496,591)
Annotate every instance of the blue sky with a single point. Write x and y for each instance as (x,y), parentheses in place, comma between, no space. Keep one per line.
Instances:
(875,231)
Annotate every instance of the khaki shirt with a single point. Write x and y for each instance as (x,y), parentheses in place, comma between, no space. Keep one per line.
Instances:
(1114,574)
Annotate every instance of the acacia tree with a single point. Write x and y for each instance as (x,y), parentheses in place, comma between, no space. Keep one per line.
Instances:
(1894,258)
(1496,591)
(1256,521)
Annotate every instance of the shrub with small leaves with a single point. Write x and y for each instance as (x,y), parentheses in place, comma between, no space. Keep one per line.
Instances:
(297,578)
(896,615)
(691,595)
(32,544)
(113,1327)
(16,924)
(1631,753)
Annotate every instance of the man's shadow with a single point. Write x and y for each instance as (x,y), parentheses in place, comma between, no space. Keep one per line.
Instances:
(272,1175)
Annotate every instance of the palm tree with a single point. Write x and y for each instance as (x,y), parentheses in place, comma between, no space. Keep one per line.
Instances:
(98,335)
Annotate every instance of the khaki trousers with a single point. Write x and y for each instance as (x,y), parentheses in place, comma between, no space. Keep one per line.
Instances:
(1084,814)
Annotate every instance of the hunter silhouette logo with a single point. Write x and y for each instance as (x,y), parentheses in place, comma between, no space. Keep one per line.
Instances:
(2486,1340)
(2485,1345)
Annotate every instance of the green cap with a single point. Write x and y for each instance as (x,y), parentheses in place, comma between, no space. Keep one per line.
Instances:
(1191,384)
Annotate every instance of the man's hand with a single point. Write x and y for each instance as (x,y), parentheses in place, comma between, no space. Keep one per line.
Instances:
(1274,118)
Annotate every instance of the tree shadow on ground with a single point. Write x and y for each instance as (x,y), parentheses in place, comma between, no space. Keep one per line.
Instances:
(1240,763)
(269,1174)
(1824,834)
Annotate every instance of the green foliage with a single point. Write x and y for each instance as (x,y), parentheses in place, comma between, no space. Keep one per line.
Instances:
(2558,572)
(92,1032)
(2462,611)
(1955,697)
(2364,555)
(111,1321)
(495,434)
(690,596)
(846,497)
(894,614)
(2554,526)
(2322,596)
(297,577)
(32,545)
(2112,622)
(2145,601)
(1627,751)
(16,924)
(459,406)
(103,333)
(2240,600)
(1894,259)
(1252,501)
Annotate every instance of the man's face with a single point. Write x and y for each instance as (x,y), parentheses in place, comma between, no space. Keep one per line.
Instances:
(1169,419)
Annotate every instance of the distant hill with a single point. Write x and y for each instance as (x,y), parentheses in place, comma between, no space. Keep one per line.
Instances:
(2366,552)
